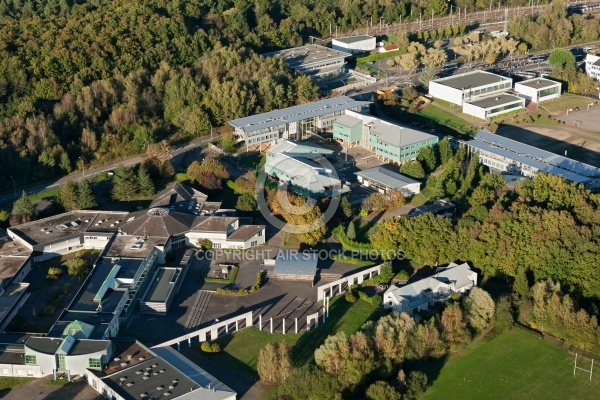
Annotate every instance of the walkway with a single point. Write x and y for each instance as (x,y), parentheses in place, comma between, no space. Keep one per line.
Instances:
(198,309)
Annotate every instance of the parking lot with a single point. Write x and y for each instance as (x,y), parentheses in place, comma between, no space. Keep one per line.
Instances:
(588,119)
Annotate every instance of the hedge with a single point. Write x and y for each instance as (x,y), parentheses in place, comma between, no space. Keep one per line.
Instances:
(379,56)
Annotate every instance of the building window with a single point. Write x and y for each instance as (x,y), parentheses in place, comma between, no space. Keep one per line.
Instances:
(29,372)
(5,371)
(30,359)
(95,363)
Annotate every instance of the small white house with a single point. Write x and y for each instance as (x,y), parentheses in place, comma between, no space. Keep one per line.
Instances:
(489,107)
(538,89)
(592,66)
(422,294)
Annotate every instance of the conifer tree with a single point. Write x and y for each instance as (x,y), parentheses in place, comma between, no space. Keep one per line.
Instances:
(67,196)
(145,183)
(85,195)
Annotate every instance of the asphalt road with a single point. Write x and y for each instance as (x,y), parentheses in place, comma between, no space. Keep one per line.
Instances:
(175,151)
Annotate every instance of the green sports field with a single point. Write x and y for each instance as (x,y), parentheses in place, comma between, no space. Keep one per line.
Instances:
(515,365)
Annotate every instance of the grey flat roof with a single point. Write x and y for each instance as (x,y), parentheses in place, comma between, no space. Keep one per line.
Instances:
(12,354)
(296,113)
(397,135)
(86,346)
(288,263)
(161,285)
(386,177)
(497,100)
(309,54)
(542,159)
(353,39)
(44,345)
(10,266)
(85,298)
(472,79)
(348,120)
(128,246)
(10,297)
(538,83)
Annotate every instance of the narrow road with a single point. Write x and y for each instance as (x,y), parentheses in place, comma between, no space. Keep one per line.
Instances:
(175,151)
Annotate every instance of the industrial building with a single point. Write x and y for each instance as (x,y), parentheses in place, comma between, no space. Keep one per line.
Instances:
(385,180)
(489,107)
(355,44)
(516,158)
(300,165)
(294,123)
(390,142)
(538,90)
(592,65)
(468,86)
(313,59)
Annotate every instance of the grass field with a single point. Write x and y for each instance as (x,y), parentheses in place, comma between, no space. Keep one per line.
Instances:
(444,117)
(240,350)
(515,365)
(9,382)
(559,106)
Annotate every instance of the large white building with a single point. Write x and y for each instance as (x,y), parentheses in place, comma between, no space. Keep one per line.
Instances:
(592,65)
(355,44)
(294,123)
(538,89)
(516,158)
(313,59)
(468,86)
(385,180)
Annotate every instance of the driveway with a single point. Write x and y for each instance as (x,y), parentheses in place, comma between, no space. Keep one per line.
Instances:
(41,389)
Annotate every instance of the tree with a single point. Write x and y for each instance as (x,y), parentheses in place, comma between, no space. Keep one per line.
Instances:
(503,318)
(427,74)
(78,268)
(85,195)
(346,207)
(24,208)
(381,390)
(351,232)
(375,202)
(68,196)
(479,309)
(445,150)
(435,58)
(4,216)
(453,327)
(561,59)
(409,61)
(267,365)
(228,143)
(145,184)
(427,157)
(413,168)
(285,361)
(209,165)
(246,202)
(124,184)
(417,383)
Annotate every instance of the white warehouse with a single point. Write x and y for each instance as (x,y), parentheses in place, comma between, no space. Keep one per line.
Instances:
(355,44)
(488,107)
(463,87)
(538,89)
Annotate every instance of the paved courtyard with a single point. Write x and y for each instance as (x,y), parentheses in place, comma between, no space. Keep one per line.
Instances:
(40,389)
(588,119)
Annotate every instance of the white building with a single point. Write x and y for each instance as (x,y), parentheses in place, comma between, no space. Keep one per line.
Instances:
(592,65)
(515,158)
(468,86)
(355,44)
(313,59)
(385,180)
(538,89)
(294,123)
(488,107)
(422,294)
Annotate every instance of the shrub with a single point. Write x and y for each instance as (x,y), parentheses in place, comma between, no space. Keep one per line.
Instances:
(48,311)
(215,347)
(206,347)
(55,271)
(402,275)
(350,296)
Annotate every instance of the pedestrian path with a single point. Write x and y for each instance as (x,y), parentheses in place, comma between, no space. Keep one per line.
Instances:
(198,309)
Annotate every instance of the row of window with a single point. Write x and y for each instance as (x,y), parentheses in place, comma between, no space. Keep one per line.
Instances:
(263,138)
(503,108)
(490,89)
(20,372)
(31,359)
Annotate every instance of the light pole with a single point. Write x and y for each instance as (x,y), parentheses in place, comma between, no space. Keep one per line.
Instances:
(211,129)
(82,167)
(148,148)
(15,185)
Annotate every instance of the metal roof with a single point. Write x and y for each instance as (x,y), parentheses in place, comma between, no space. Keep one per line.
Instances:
(348,120)
(396,135)
(471,79)
(564,163)
(294,263)
(162,283)
(495,101)
(386,177)
(538,83)
(296,113)
(296,57)
(78,330)
(353,39)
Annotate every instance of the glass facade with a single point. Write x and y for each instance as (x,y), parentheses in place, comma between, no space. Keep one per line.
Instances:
(95,363)
(549,91)
(30,359)
(501,109)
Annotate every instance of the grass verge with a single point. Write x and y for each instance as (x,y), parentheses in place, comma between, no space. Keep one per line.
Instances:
(517,364)
(10,382)
(230,279)
(351,260)
(445,118)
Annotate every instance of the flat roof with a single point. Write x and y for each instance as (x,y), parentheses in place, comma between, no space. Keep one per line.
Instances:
(85,297)
(386,177)
(304,173)
(353,39)
(10,266)
(100,321)
(131,246)
(538,83)
(10,297)
(86,346)
(471,79)
(43,345)
(162,282)
(294,263)
(296,113)
(128,351)
(397,135)
(494,101)
(12,354)
(296,57)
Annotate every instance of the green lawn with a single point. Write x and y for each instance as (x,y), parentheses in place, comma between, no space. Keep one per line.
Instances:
(240,350)
(560,105)
(9,382)
(445,118)
(515,365)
